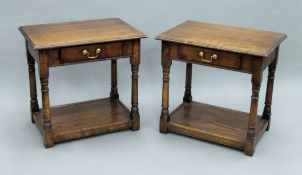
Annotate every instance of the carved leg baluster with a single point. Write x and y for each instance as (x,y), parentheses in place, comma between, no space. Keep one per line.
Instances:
(34,106)
(269,92)
(188,96)
(44,74)
(135,61)
(166,64)
(114,92)
(251,132)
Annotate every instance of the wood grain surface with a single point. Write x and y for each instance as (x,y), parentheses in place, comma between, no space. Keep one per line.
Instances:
(45,36)
(235,39)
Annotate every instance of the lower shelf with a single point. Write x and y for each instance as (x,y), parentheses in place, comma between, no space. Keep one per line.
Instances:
(212,123)
(88,118)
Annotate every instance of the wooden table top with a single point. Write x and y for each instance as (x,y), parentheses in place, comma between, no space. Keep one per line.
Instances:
(222,37)
(46,36)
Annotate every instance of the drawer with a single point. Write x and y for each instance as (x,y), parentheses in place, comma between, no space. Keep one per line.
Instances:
(91,52)
(210,56)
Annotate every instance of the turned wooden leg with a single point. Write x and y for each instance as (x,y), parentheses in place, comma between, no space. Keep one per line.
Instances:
(114,92)
(34,106)
(269,91)
(251,132)
(44,74)
(135,61)
(166,64)
(188,96)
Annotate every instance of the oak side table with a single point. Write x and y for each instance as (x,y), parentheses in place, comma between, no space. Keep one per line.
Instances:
(232,48)
(61,44)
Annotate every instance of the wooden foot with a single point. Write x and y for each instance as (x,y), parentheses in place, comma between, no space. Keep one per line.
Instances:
(48,139)
(163,128)
(135,121)
(32,115)
(249,146)
(267,115)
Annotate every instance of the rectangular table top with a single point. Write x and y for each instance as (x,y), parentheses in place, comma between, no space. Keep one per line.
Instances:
(46,36)
(215,36)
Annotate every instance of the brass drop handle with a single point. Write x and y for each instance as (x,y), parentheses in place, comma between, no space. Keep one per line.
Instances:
(213,57)
(97,52)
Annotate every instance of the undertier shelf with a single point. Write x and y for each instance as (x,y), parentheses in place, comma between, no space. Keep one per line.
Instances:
(212,123)
(88,118)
